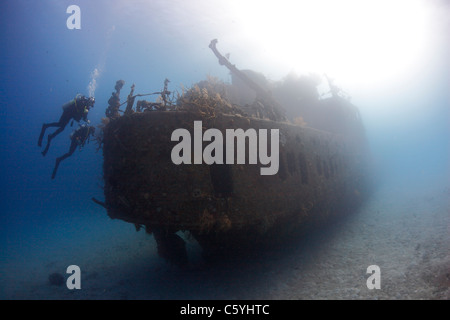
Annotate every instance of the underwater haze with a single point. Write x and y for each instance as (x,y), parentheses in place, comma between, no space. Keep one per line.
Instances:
(389,57)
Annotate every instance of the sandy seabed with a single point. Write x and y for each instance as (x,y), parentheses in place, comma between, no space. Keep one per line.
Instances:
(404,228)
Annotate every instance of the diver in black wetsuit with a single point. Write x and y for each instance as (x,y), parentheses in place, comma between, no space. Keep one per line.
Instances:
(78,138)
(76,109)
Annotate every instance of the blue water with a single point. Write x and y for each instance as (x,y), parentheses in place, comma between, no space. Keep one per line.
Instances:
(46,225)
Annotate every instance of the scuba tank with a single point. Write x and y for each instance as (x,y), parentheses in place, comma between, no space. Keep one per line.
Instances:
(72,102)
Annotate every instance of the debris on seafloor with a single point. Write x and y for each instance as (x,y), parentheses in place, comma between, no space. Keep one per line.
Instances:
(323,158)
(56,279)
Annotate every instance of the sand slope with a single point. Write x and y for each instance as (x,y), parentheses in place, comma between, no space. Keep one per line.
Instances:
(404,228)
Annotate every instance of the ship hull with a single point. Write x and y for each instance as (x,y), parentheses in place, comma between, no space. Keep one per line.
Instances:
(320,175)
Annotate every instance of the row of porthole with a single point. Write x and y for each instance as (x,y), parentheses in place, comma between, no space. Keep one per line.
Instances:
(293,165)
(325,168)
(289,165)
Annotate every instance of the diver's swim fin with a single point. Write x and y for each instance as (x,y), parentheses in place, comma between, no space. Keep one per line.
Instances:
(41,136)
(47,146)
(56,168)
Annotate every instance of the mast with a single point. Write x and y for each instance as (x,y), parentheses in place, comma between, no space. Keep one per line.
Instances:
(269,103)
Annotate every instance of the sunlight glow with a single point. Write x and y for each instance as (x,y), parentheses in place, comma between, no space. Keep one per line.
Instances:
(359,43)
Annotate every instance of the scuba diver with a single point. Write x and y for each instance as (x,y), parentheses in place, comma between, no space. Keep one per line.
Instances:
(76,109)
(78,138)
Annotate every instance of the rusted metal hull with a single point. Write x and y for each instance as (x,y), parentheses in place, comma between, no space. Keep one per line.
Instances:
(320,175)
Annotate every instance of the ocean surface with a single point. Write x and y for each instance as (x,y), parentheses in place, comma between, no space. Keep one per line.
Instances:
(399,84)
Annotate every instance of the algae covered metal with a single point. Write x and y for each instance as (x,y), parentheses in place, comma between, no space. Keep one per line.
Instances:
(321,168)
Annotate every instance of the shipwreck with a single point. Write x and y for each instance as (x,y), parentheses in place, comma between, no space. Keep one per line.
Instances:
(229,205)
